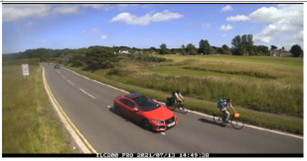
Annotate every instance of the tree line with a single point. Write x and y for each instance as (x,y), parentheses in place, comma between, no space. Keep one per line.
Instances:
(96,57)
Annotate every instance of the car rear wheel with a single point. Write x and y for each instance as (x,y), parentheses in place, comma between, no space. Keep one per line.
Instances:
(117,111)
(146,125)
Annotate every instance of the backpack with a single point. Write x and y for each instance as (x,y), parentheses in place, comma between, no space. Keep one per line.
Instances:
(220,103)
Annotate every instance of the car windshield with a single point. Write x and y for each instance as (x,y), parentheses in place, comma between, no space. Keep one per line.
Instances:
(146,104)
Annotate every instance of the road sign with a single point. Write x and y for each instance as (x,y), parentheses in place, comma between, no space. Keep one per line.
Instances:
(25,69)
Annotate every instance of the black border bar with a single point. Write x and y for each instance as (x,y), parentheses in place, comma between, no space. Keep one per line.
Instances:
(153,155)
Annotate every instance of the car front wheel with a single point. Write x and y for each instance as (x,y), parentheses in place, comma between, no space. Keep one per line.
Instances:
(146,125)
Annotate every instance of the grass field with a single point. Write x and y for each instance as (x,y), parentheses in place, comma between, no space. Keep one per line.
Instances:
(29,124)
(266,84)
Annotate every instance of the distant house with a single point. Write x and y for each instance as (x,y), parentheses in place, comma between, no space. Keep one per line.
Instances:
(280,53)
(124,52)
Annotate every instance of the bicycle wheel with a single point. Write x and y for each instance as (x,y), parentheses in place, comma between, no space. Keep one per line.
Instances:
(218,119)
(237,124)
(183,109)
(171,107)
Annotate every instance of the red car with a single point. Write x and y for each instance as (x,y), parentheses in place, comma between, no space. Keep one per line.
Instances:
(143,110)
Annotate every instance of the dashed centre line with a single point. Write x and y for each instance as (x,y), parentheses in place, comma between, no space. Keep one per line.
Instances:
(59,72)
(87,93)
(64,77)
(70,82)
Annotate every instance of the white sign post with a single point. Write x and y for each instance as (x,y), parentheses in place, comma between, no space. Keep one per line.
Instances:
(25,71)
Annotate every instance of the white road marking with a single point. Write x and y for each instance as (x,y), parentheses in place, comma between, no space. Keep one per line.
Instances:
(198,113)
(109,106)
(58,71)
(96,81)
(70,82)
(87,93)
(163,133)
(64,77)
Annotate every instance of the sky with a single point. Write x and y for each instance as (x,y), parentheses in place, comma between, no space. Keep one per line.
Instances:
(73,26)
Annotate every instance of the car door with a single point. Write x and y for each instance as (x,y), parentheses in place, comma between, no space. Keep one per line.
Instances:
(132,110)
(135,112)
(123,106)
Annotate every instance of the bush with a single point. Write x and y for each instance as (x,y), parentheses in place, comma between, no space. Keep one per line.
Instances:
(100,58)
(148,58)
(118,72)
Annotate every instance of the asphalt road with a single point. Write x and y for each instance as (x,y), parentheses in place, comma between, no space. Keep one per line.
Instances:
(86,104)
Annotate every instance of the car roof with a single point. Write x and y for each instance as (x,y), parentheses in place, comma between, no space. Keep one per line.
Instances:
(134,95)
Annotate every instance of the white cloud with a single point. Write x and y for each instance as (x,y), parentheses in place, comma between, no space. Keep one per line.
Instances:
(227,8)
(146,19)
(13,12)
(226,27)
(268,14)
(29,23)
(164,16)
(238,18)
(65,9)
(103,37)
(288,21)
(224,35)
(284,20)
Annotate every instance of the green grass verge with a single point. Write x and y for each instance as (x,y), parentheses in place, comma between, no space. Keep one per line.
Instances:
(289,124)
(186,71)
(29,123)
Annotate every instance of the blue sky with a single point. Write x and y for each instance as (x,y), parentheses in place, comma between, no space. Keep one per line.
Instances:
(59,26)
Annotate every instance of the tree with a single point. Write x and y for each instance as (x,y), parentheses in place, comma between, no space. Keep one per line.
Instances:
(296,50)
(236,42)
(212,50)
(273,47)
(250,45)
(204,47)
(225,49)
(76,59)
(191,49)
(243,45)
(261,50)
(183,49)
(163,49)
(99,58)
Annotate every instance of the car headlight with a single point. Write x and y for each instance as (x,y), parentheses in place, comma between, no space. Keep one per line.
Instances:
(158,121)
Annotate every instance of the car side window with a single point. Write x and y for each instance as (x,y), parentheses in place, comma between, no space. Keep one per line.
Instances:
(131,104)
(124,101)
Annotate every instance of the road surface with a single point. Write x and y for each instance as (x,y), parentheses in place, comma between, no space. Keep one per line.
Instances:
(88,103)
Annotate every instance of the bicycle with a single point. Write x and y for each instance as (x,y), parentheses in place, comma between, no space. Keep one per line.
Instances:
(234,120)
(179,105)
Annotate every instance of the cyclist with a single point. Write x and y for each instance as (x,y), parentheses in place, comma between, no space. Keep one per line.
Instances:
(223,108)
(177,97)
